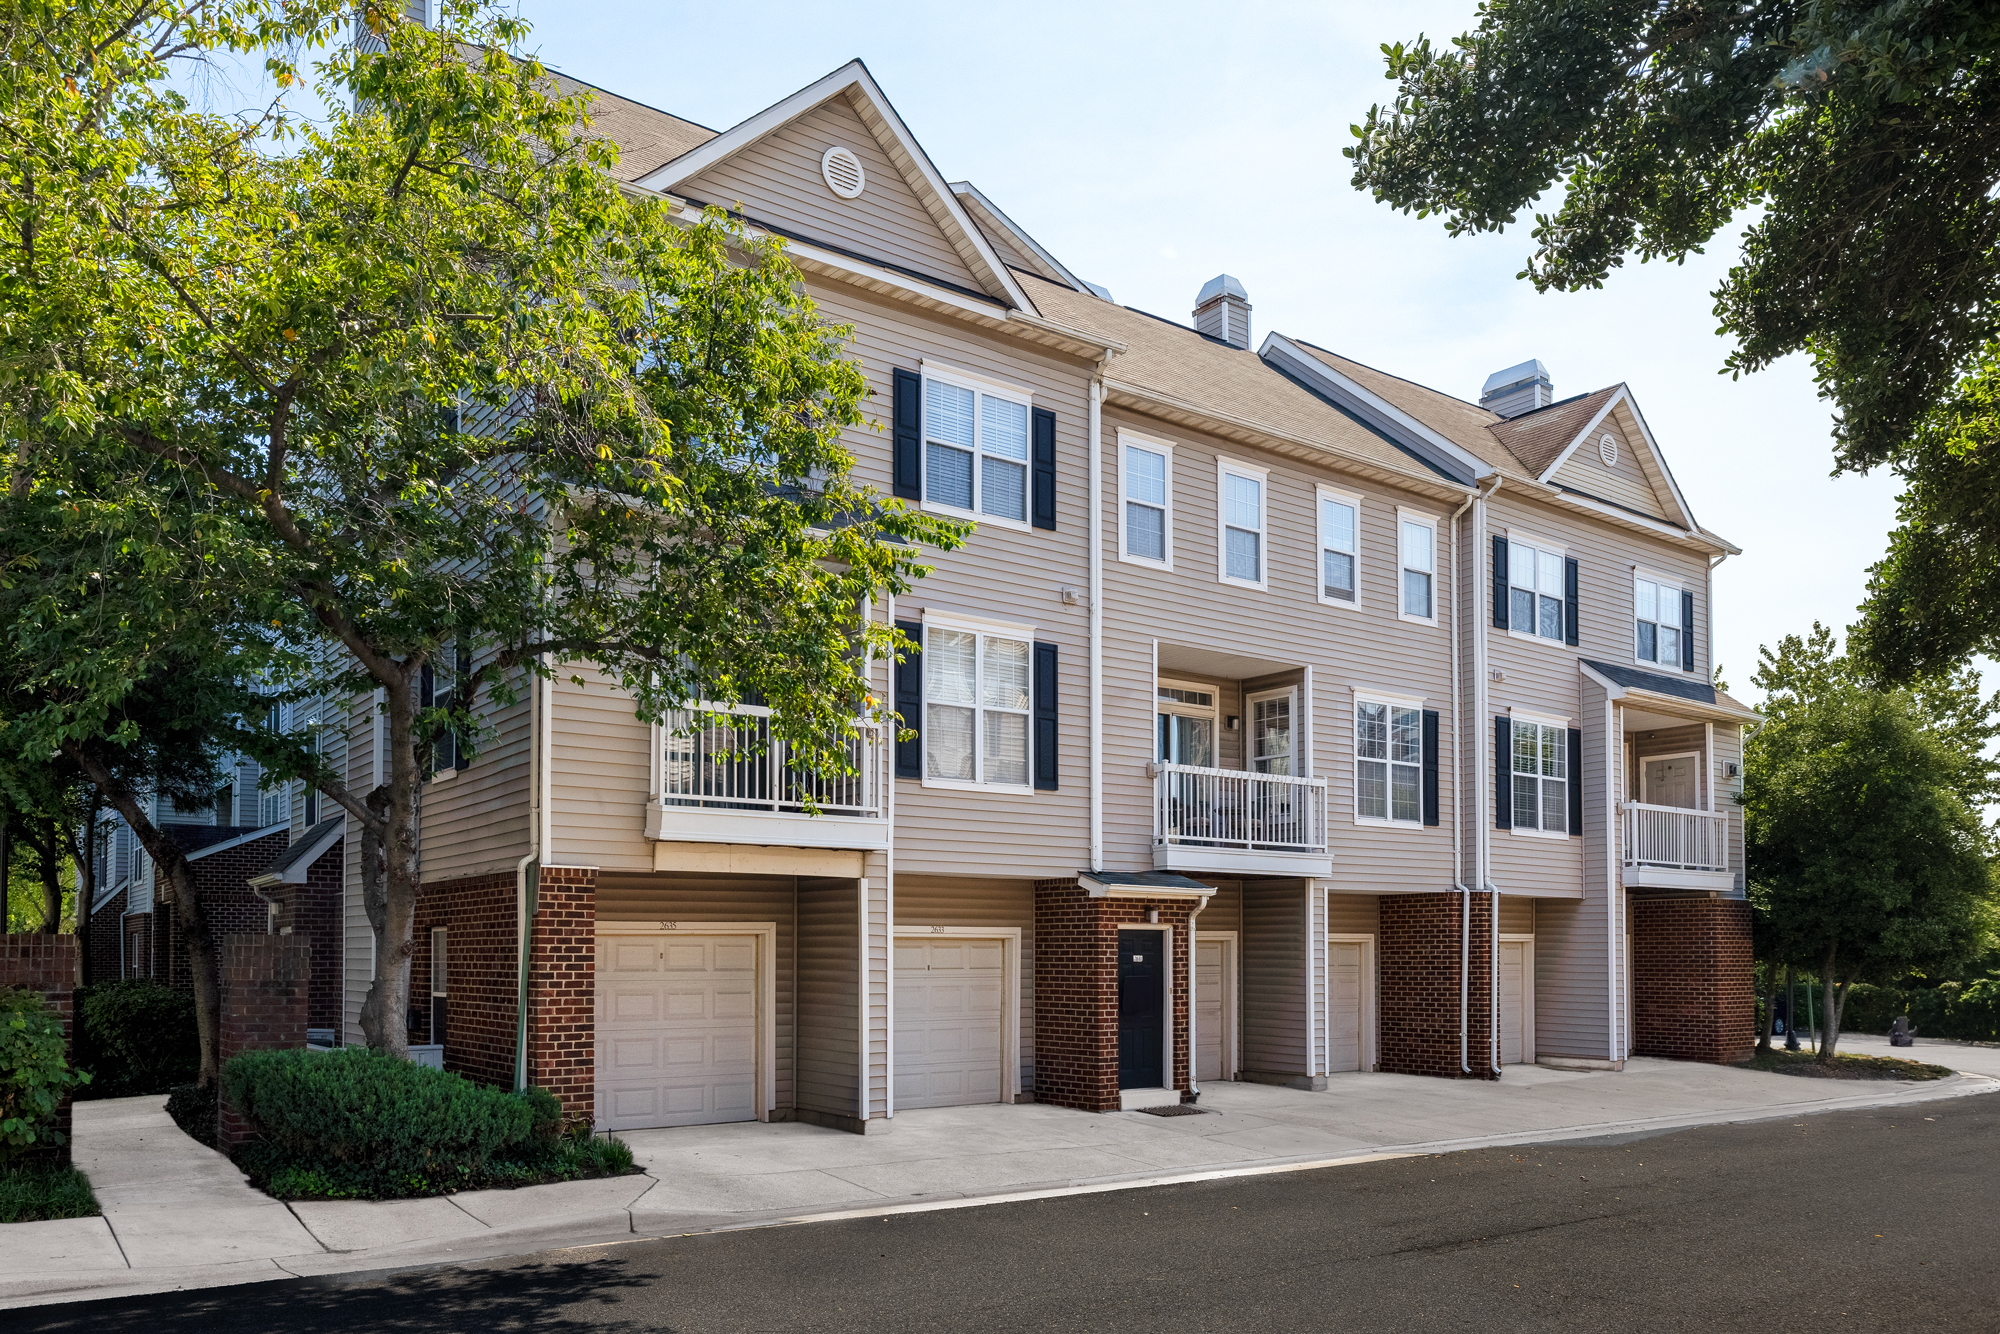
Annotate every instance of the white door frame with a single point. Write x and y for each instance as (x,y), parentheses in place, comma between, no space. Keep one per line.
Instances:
(1232,1037)
(1010,982)
(1166,1004)
(765,1094)
(1527,993)
(1250,702)
(1694,755)
(1367,943)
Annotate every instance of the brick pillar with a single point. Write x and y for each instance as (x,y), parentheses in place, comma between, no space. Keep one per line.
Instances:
(266,981)
(1419,986)
(49,965)
(1692,998)
(562,990)
(1076,992)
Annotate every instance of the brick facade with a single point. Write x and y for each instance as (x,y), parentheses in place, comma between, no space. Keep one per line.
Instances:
(107,925)
(1076,992)
(233,908)
(50,965)
(481,974)
(312,912)
(1692,997)
(562,989)
(265,982)
(1418,986)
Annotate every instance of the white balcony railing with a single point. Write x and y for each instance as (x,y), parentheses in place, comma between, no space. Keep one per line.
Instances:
(1230,808)
(709,777)
(1669,838)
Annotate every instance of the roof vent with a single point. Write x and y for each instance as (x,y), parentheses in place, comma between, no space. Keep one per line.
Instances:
(842,171)
(1518,389)
(1223,311)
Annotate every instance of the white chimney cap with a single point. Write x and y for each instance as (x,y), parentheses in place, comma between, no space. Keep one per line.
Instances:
(1527,370)
(1220,285)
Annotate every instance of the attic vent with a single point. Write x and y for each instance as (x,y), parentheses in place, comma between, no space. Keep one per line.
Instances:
(842,171)
(1607,449)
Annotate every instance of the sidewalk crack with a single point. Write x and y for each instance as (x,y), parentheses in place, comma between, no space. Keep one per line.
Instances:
(453,1199)
(115,1239)
(309,1232)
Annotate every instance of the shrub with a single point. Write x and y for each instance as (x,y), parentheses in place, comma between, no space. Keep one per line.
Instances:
(1969,1011)
(34,1072)
(136,1036)
(193,1108)
(31,1194)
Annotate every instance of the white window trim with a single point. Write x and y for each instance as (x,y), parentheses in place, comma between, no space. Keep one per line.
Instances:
(1437,577)
(1554,549)
(1545,719)
(1250,700)
(1167,536)
(1354,744)
(1010,979)
(1325,493)
(982,628)
(1177,708)
(1375,696)
(1679,584)
(1562,725)
(1519,832)
(1262,476)
(979,384)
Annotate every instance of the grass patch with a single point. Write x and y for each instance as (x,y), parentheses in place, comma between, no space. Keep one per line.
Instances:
(1843,1066)
(289,1176)
(36,1194)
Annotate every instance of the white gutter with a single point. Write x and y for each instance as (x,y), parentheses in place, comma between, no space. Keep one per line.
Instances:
(1480,839)
(1094,532)
(1457,810)
(886,771)
(536,706)
(1614,893)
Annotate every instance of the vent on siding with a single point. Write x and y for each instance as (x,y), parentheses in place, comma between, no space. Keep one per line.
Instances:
(842,171)
(1607,449)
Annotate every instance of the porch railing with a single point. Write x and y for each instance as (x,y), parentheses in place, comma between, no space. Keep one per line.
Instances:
(1230,808)
(1671,838)
(747,769)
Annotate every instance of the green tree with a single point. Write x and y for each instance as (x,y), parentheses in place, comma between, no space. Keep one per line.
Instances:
(425,396)
(1867,854)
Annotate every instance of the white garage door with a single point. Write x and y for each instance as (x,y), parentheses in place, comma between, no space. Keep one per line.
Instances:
(1208,1009)
(948,1022)
(1514,1026)
(676,1030)
(1345,986)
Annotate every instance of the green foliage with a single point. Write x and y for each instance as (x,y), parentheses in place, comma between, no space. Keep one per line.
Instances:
(136,1036)
(1969,1011)
(34,1072)
(37,1193)
(193,1108)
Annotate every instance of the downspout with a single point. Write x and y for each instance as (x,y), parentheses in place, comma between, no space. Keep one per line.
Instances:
(523,911)
(1477,501)
(888,783)
(1094,532)
(1493,982)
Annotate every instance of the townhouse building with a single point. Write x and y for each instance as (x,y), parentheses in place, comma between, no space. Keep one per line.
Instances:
(1281,718)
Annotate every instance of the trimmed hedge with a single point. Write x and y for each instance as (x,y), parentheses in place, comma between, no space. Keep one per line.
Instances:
(136,1036)
(1969,1011)
(34,1072)
(193,1108)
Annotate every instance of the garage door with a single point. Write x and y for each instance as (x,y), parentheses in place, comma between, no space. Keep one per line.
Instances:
(948,1022)
(1345,987)
(1514,1002)
(676,1030)
(1208,1009)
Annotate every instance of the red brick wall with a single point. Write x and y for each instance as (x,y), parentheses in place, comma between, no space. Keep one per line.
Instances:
(481,955)
(1076,992)
(1418,986)
(1691,989)
(233,908)
(316,916)
(48,964)
(265,982)
(106,924)
(562,989)
(139,945)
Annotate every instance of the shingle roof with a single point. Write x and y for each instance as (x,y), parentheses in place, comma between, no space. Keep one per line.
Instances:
(1537,438)
(1464,424)
(646,136)
(192,838)
(1633,678)
(307,850)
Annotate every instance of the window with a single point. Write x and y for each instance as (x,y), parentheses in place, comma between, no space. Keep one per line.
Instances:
(1658,613)
(1339,531)
(1418,543)
(976,706)
(975,451)
(1541,777)
(1186,718)
(1534,591)
(1271,732)
(1242,526)
(1388,762)
(1147,484)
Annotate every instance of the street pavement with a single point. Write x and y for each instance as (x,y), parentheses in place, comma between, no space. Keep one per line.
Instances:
(1879,1219)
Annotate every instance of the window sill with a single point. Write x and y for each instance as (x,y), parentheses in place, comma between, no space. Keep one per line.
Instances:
(1544,640)
(958,785)
(1166,566)
(973,516)
(1662,667)
(1261,586)
(1373,822)
(1431,621)
(1345,604)
(443,776)
(1519,832)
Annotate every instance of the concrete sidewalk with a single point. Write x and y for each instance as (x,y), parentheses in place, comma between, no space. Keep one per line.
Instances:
(177,1215)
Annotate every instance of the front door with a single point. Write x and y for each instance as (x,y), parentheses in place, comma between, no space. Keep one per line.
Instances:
(1672,780)
(1141,1009)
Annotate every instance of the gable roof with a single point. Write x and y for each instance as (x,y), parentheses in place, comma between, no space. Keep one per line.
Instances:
(292,864)
(990,219)
(1542,438)
(896,142)
(646,136)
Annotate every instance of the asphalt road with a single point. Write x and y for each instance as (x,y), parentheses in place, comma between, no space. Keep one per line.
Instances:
(1853,1221)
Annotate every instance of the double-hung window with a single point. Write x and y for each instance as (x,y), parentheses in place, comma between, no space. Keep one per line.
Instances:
(1658,617)
(975,450)
(1388,762)
(1339,546)
(1147,481)
(977,700)
(1541,777)
(1534,591)
(1241,527)
(1417,542)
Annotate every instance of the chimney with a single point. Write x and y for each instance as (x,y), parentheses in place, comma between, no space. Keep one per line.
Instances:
(1518,389)
(1223,311)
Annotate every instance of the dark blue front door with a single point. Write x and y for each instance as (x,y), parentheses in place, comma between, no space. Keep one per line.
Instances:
(1141,996)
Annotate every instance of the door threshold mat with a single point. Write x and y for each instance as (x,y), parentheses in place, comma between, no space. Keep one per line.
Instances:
(1175,1109)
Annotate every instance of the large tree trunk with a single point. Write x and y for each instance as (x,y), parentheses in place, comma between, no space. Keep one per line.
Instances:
(1836,1003)
(1770,1005)
(386,1013)
(1829,1018)
(50,861)
(83,854)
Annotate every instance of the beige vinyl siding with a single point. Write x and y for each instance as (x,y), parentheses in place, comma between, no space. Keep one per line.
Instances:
(878,953)
(355,763)
(1573,984)
(599,767)
(690,900)
(777,180)
(1517,916)
(476,822)
(981,901)
(1353,915)
(1624,482)
(829,990)
(1275,964)
(1729,750)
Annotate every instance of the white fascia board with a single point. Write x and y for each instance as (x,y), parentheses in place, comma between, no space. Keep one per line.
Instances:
(1021,238)
(1692,537)
(1312,367)
(1624,395)
(1582,435)
(295,874)
(1687,511)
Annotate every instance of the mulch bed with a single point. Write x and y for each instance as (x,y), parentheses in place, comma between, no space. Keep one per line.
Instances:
(1844,1066)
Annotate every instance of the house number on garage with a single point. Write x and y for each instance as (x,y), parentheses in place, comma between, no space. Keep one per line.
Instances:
(670,926)
(939,930)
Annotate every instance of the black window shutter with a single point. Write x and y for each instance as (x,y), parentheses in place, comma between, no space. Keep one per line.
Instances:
(1045,717)
(1045,469)
(910,701)
(1571,628)
(1500,582)
(907,430)
(461,667)
(1503,773)
(427,689)
(1687,632)
(1430,766)
(1575,783)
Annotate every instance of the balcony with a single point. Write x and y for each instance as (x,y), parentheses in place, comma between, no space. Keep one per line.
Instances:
(737,784)
(1668,847)
(1232,822)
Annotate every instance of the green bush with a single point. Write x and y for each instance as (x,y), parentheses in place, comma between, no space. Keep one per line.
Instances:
(136,1036)
(31,1194)
(1969,1011)
(34,1072)
(193,1108)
